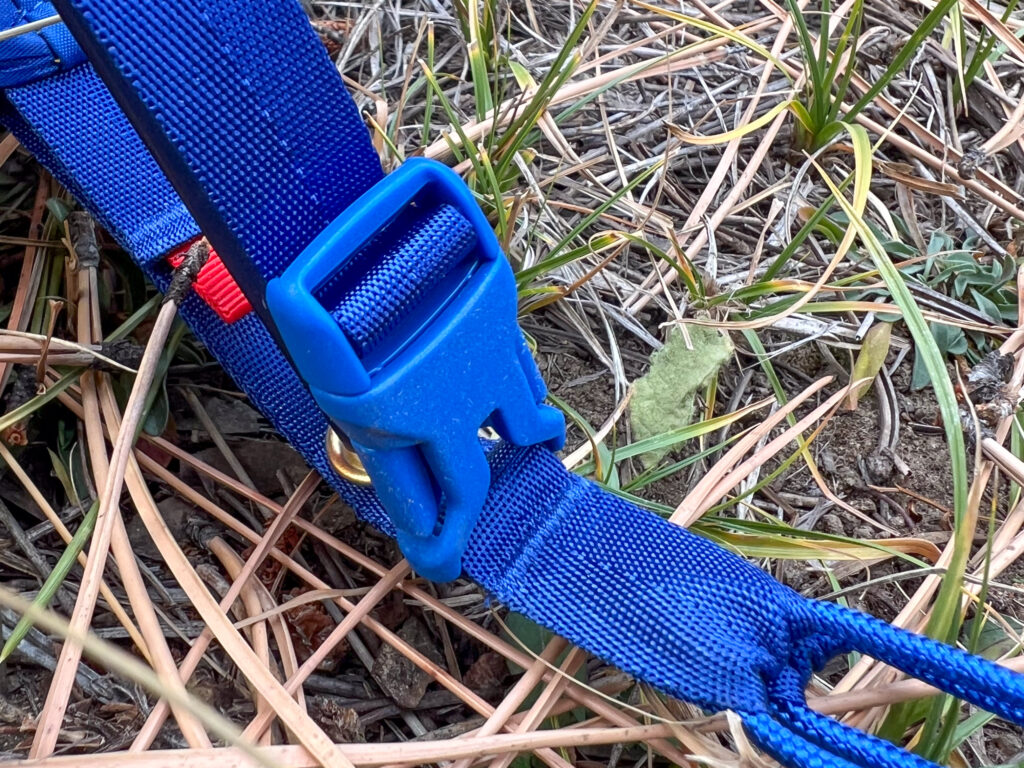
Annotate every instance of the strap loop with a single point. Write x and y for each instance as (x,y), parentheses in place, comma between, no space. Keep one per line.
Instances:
(786,694)
(790,748)
(850,743)
(829,629)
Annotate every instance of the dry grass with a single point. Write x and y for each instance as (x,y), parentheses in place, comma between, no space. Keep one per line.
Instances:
(620,224)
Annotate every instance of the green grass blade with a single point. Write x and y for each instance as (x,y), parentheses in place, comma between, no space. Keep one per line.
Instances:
(789,542)
(654,474)
(428,96)
(11,418)
(923,338)
(597,244)
(522,132)
(478,61)
(479,159)
(557,257)
(558,74)
(673,438)
(909,50)
(55,579)
(824,24)
(984,48)
(851,39)
(815,73)
(715,29)
(945,618)
(135,319)
(817,219)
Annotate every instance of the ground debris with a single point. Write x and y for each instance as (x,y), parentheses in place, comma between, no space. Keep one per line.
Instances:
(987,396)
(487,675)
(311,625)
(339,722)
(397,676)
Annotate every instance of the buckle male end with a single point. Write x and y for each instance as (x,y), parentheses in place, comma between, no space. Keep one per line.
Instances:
(456,362)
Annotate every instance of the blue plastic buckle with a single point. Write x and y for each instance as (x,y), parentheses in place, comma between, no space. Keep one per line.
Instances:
(457,362)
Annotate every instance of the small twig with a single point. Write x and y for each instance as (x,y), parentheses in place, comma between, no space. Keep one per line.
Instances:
(32,26)
(222,444)
(129,667)
(369,601)
(31,272)
(265,544)
(548,697)
(55,306)
(52,715)
(62,530)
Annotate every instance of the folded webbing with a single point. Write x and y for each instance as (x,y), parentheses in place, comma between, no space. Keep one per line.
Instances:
(370,295)
(250,121)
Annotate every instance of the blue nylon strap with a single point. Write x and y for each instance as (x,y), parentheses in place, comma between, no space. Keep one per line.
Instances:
(661,603)
(424,247)
(34,57)
(71,123)
(255,129)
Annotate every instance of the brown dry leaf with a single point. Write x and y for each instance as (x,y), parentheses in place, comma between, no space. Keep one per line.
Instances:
(904,174)
(487,674)
(341,723)
(310,625)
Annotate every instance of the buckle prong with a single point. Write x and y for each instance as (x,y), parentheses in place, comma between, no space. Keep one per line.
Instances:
(345,460)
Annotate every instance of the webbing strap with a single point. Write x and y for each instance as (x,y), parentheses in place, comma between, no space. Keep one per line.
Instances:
(422,250)
(34,57)
(255,129)
(652,598)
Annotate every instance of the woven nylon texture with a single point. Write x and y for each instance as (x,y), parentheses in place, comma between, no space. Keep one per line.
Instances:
(372,294)
(254,128)
(658,601)
(37,55)
(54,108)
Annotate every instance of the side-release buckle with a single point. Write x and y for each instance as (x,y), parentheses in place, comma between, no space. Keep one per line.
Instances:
(412,407)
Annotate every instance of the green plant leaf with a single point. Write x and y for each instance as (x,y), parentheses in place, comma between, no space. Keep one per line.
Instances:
(869,361)
(663,398)
(534,638)
(910,49)
(58,208)
(948,340)
(24,411)
(55,579)
(63,474)
(994,641)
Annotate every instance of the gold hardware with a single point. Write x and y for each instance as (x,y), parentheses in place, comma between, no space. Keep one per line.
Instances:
(345,460)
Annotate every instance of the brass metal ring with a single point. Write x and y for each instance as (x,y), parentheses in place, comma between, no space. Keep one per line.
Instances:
(345,460)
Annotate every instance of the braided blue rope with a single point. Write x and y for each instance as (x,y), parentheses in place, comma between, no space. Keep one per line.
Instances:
(790,707)
(971,678)
(790,749)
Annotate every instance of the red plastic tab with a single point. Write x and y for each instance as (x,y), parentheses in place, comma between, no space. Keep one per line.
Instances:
(216,286)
